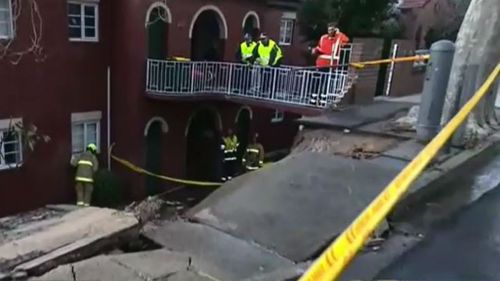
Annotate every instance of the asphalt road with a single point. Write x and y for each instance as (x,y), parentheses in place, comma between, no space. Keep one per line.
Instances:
(465,247)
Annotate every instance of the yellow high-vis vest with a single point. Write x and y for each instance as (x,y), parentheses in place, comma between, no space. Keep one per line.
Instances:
(265,53)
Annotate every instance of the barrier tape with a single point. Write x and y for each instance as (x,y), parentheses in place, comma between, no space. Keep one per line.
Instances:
(386,61)
(140,170)
(337,256)
(363,64)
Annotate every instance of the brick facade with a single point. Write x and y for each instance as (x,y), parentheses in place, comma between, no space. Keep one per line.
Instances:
(72,78)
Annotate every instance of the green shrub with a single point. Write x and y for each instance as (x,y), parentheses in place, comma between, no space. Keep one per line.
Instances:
(107,190)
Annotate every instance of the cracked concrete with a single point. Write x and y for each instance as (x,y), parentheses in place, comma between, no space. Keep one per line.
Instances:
(217,253)
(75,235)
(297,206)
(158,265)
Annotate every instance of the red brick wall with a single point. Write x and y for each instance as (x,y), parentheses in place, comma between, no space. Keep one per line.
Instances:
(365,86)
(71,78)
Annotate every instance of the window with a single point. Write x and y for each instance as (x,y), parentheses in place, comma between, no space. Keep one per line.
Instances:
(85,129)
(278,116)
(83,21)
(10,145)
(286,31)
(6,24)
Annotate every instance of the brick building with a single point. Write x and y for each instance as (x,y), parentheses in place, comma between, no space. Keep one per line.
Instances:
(63,88)
(419,16)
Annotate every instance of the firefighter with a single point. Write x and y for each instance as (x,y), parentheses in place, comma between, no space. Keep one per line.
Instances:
(230,147)
(246,49)
(254,155)
(267,52)
(86,165)
(326,46)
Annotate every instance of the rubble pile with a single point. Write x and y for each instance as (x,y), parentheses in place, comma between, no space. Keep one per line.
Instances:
(146,210)
(346,143)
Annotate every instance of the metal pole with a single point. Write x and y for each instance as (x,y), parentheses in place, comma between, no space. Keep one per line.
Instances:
(436,82)
(109,116)
(229,82)
(391,70)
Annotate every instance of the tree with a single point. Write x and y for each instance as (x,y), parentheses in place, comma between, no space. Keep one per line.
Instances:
(24,42)
(477,45)
(354,17)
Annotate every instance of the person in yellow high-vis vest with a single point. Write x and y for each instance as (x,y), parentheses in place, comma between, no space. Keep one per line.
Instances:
(230,148)
(246,49)
(267,52)
(86,165)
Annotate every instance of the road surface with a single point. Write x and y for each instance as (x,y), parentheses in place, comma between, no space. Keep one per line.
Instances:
(464,247)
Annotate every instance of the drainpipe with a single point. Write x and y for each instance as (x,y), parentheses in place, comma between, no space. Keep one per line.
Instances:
(109,115)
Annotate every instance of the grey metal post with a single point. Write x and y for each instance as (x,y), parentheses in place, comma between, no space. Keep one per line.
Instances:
(434,93)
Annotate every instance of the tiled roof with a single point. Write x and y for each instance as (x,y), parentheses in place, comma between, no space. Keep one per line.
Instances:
(410,4)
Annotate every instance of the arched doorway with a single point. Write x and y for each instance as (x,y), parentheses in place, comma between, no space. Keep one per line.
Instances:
(157,21)
(251,24)
(208,33)
(203,155)
(243,127)
(154,131)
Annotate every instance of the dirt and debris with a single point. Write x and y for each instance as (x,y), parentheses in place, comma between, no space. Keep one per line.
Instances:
(406,123)
(352,145)
(147,210)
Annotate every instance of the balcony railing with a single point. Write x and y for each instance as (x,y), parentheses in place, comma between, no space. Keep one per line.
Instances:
(290,85)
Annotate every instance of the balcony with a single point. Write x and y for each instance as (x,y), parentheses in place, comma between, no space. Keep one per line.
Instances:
(288,85)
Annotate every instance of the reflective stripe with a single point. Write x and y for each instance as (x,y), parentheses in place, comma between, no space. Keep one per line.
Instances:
(253,150)
(85,162)
(230,158)
(80,203)
(252,168)
(325,57)
(328,57)
(82,179)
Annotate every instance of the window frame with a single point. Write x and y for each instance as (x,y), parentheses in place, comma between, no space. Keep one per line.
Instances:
(11,19)
(5,125)
(83,37)
(278,116)
(282,38)
(86,118)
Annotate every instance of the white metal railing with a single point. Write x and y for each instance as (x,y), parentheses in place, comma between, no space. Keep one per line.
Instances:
(291,85)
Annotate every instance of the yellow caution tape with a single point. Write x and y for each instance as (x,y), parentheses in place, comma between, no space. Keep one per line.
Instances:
(337,256)
(385,61)
(140,170)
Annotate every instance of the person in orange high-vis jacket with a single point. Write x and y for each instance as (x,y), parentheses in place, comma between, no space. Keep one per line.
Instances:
(326,46)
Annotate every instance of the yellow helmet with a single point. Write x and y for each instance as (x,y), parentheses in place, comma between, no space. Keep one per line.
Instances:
(92,147)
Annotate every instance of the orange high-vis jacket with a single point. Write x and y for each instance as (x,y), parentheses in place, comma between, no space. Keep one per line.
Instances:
(326,46)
